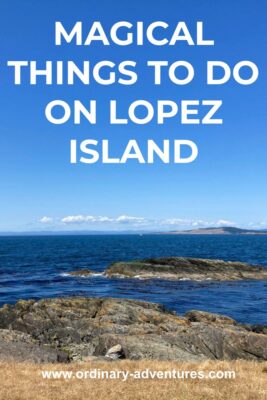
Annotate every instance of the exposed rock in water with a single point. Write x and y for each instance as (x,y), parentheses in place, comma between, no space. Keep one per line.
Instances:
(178,268)
(90,327)
(81,272)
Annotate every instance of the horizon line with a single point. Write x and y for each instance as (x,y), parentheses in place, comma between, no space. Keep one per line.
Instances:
(124,232)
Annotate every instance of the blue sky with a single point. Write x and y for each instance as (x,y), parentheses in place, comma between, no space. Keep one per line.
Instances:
(41,190)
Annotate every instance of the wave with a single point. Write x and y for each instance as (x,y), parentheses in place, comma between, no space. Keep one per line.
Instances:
(67,274)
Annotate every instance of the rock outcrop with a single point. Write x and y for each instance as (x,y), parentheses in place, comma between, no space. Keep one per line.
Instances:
(85,328)
(178,268)
(19,346)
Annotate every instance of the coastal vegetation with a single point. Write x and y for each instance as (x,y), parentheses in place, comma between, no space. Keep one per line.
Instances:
(24,382)
(181,268)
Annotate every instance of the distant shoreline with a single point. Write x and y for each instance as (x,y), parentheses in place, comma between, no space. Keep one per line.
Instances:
(228,230)
(200,231)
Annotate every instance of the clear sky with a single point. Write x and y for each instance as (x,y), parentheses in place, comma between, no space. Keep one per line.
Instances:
(227,184)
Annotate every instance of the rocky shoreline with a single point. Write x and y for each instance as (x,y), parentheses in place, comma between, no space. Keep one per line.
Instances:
(84,329)
(180,268)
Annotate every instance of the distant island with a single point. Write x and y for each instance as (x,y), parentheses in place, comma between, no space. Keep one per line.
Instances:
(226,230)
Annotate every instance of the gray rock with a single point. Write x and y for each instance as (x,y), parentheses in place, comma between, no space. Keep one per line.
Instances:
(115,352)
(206,317)
(178,268)
(85,327)
(18,346)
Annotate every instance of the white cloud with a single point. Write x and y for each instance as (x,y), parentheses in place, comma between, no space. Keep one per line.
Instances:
(200,223)
(80,219)
(117,222)
(141,221)
(175,221)
(46,220)
(223,222)
(83,219)
(185,222)
(126,219)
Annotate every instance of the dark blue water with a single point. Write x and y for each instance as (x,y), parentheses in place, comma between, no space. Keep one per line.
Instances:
(34,267)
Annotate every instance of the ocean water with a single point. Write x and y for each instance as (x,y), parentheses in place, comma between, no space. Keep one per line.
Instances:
(37,267)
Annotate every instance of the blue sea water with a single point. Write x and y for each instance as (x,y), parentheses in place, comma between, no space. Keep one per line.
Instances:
(37,267)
